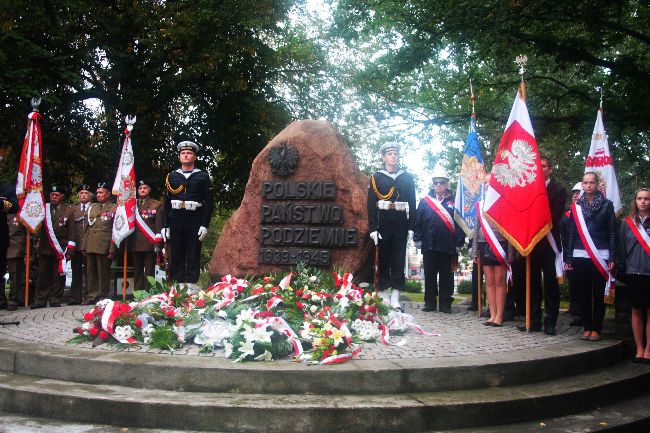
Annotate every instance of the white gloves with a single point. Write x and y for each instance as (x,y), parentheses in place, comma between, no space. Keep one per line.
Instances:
(375,236)
(165,234)
(410,238)
(203,232)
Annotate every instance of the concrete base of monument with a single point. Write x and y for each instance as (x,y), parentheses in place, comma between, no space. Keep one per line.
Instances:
(470,377)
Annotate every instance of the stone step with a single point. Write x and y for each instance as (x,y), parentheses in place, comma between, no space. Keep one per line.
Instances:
(247,412)
(627,416)
(395,376)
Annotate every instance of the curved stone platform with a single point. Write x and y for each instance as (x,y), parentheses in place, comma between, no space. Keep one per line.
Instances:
(470,375)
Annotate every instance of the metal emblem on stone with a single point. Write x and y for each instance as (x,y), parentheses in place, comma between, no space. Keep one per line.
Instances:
(283,159)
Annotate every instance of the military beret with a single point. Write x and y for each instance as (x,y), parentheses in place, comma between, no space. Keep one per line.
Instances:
(83,187)
(391,145)
(103,185)
(143,182)
(56,188)
(188,145)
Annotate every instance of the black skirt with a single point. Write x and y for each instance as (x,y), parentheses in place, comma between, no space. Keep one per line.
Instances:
(488,257)
(639,289)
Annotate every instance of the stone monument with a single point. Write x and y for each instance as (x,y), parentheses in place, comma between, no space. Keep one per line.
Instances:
(305,201)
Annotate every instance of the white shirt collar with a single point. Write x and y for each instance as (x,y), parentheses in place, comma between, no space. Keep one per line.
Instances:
(393,175)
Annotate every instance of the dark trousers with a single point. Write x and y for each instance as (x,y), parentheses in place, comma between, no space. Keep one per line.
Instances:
(78,264)
(591,290)
(437,264)
(16,269)
(185,263)
(48,285)
(98,276)
(542,264)
(575,309)
(144,263)
(392,256)
(516,296)
(3,266)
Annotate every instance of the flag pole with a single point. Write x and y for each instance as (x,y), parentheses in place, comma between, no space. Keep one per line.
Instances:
(124,273)
(479,301)
(27,256)
(521,60)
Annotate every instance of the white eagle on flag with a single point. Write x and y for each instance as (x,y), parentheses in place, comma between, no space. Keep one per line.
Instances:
(521,169)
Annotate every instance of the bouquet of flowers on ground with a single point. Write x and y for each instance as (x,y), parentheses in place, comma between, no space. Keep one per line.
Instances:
(307,314)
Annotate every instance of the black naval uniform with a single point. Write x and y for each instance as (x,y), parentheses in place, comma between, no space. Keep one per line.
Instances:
(184,224)
(392,225)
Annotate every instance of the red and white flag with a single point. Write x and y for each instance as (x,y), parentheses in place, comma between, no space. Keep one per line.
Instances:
(29,185)
(601,162)
(516,203)
(125,188)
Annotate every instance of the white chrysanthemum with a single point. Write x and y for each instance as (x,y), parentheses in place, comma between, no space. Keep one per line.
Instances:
(87,326)
(313,278)
(148,330)
(123,332)
(313,308)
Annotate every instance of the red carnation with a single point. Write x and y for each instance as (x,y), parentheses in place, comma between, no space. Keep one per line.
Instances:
(233,281)
(125,308)
(78,330)
(266,280)
(299,292)
(169,313)
(327,295)
(257,290)
(240,289)
(200,303)
(138,323)
(104,335)
(93,332)
(300,305)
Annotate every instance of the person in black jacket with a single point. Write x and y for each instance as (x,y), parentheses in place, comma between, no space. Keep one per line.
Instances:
(188,210)
(391,220)
(633,261)
(8,205)
(600,221)
(543,260)
(440,238)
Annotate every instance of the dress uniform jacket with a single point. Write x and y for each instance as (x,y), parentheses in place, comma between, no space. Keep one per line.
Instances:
(151,213)
(100,229)
(64,227)
(81,220)
(17,238)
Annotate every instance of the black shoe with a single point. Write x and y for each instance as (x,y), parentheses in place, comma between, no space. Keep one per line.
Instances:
(37,306)
(55,305)
(549,330)
(472,308)
(73,303)
(428,308)
(12,307)
(522,328)
(576,322)
(446,310)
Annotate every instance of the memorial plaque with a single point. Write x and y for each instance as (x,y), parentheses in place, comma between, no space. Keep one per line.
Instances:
(305,201)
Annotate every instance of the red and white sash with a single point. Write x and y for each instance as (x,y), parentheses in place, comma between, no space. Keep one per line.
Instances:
(591,249)
(145,229)
(54,242)
(640,234)
(559,261)
(492,240)
(439,209)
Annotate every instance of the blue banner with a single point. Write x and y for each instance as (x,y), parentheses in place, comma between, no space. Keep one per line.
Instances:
(470,181)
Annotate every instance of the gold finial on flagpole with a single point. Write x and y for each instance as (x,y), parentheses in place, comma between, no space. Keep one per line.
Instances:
(521,60)
(35,103)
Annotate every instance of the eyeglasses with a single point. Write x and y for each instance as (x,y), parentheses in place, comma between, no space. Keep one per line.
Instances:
(440,182)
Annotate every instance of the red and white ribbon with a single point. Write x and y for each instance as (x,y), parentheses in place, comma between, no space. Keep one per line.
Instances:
(280,325)
(112,311)
(640,234)
(145,229)
(286,281)
(437,207)
(343,357)
(596,258)
(492,240)
(53,241)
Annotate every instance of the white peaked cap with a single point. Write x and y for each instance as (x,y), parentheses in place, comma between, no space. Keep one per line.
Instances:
(439,172)
(577,187)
